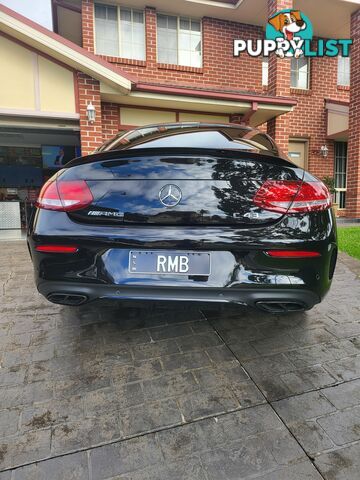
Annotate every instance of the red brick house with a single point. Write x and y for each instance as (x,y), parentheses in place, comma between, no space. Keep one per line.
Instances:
(142,62)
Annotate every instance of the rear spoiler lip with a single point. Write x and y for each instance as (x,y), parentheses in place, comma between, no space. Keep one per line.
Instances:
(267,157)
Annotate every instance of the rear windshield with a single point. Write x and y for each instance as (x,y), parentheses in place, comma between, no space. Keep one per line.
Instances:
(193,135)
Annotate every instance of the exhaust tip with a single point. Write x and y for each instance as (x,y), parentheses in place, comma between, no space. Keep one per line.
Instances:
(72,299)
(281,307)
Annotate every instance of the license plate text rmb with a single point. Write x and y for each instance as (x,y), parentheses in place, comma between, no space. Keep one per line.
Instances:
(172,264)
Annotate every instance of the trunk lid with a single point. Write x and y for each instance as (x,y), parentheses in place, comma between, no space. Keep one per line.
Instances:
(180,189)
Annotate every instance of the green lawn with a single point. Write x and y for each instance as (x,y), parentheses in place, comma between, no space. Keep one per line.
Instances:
(349,240)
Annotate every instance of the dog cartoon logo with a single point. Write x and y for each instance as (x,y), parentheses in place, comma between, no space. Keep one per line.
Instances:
(289,33)
(289,27)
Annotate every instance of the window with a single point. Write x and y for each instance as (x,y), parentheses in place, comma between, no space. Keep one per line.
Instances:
(340,173)
(132,34)
(343,71)
(120,32)
(265,71)
(106,29)
(179,40)
(300,69)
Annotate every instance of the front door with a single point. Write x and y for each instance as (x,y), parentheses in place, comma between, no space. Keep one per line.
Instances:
(298,153)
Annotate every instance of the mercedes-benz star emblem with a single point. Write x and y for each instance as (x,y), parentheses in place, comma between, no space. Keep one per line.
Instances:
(170,195)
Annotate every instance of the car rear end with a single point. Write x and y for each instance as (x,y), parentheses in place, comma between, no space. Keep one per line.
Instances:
(192,223)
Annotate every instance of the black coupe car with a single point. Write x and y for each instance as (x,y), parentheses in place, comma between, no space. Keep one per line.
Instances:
(185,211)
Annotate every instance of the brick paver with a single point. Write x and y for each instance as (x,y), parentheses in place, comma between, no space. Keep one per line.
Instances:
(105,392)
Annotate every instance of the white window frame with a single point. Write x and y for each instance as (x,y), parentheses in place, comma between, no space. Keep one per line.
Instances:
(118,10)
(342,71)
(265,68)
(308,74)
(177,37)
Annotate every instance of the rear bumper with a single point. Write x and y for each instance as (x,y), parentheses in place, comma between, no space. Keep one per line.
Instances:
(241,272)
(244,277)
(292,299)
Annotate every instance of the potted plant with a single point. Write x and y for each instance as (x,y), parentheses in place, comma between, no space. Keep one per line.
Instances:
(330,184)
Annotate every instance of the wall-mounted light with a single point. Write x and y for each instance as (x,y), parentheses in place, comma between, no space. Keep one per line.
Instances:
(91,113)
(324,150)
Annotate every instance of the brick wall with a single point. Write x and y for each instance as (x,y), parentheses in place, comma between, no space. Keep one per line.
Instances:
(90,133)
(279,83)
(87,19)
(110,119)
(353,193)
(276,5)
(222,70)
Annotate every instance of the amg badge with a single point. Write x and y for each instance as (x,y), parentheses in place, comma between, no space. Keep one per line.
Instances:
(99,213)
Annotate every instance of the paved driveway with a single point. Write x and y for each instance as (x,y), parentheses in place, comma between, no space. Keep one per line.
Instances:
(175,393)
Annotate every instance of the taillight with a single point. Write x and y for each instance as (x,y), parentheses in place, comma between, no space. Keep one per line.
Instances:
(56,248)
(292,196)
(292,253)
(64,196)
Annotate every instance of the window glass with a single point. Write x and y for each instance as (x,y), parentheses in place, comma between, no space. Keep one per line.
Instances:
(172,23)
(343,71)
(190,43)
(125,15)
(138,17)
(106,30)
(185,23)
(195,26)
(162,21)
(100,12)
(300,72)
(130,30)
(179,40)
(167,39)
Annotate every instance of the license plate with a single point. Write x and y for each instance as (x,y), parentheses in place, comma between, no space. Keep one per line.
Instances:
(165,262)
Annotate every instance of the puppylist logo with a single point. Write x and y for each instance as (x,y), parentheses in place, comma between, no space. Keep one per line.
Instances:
(289,33)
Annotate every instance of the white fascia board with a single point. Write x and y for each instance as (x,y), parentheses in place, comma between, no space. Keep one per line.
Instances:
(189,99)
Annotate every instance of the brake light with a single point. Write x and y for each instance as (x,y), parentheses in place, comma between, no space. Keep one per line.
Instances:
(292,253)
(64,196)
(292,196)
(56,248)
